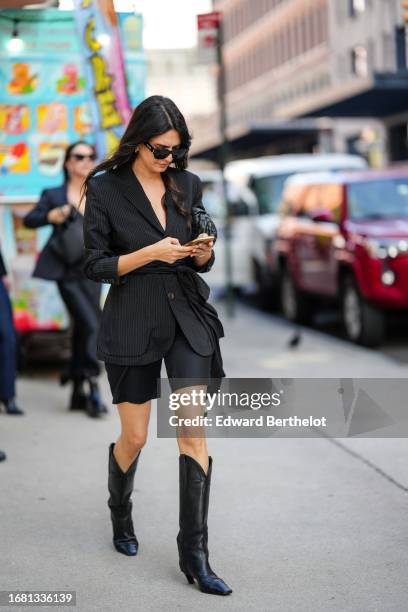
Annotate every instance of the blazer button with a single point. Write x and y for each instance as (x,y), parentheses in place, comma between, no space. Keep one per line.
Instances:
(171,295)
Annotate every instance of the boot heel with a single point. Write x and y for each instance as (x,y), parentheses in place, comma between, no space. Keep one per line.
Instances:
(189,577)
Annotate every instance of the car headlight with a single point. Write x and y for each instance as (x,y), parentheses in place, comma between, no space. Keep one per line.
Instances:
(383,248)
(388,277)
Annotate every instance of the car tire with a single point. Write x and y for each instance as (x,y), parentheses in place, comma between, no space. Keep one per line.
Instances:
(295,305)
(267,294)
(21,352)
(362,322)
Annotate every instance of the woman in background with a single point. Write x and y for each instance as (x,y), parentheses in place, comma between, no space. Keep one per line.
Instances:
(8,359)
(81,296)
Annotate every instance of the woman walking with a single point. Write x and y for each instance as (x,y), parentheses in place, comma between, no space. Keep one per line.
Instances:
(80,295)
(138,216)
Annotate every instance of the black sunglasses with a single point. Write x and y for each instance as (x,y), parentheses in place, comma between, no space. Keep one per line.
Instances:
(162,152)
(81,157)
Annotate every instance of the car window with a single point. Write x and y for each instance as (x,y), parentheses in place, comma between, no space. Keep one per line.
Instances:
(303,200)
(268,191)
(380,199)
(212,198)
(240,198)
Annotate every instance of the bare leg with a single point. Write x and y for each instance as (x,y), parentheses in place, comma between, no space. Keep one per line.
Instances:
(134,421)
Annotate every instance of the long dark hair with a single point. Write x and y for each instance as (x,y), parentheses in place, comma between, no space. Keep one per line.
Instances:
(68,152)
(152,117)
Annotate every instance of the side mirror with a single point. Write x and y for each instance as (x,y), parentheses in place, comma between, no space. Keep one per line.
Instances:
(322,215)
(238,209)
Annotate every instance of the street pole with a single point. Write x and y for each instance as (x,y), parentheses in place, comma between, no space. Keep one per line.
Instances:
(222,160)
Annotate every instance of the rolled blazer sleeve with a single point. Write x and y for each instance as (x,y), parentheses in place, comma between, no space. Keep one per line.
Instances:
(37,217)
(198,203)
(101,264)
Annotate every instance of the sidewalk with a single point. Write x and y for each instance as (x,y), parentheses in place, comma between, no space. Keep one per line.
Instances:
(302,525)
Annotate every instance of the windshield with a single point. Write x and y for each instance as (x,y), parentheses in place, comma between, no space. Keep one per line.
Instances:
(382,199)
(268,190)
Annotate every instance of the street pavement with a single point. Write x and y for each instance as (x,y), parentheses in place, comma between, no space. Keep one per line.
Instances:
(312,524)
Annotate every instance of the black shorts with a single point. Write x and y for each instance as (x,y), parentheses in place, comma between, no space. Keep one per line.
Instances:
(139,383)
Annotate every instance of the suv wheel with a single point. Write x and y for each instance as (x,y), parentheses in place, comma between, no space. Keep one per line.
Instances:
(267,292)
(296,306)
(362,322)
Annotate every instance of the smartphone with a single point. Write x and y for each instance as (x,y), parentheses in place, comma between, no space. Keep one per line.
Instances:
(199,240)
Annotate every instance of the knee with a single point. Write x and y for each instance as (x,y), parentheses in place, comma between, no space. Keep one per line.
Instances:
(134,441)
(192,445)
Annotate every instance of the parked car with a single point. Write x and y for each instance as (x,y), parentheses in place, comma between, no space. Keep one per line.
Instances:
(243,206)
(265,176)
(343,238)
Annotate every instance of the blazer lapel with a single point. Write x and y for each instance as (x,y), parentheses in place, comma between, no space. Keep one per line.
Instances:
(62,195)
(133,191)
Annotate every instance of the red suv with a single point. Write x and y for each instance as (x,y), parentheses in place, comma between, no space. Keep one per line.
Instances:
(344,237)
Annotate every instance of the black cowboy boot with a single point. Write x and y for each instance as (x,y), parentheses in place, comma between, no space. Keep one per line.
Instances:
(192,539)
(79,399)
(3,456)
(94,406)
(120,485)
(11,407)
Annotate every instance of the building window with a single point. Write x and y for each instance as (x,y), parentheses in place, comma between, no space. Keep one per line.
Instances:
(302,35)
(278,50)
(312,31)
(359,64)
(357,7)
(323,24)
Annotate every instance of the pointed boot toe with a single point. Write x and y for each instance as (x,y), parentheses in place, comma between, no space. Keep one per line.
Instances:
(126,543)
(213,585)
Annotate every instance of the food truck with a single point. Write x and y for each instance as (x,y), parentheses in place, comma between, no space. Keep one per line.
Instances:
(49,99)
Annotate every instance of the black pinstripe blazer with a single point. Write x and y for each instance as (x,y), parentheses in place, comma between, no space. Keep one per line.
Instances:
(138,320)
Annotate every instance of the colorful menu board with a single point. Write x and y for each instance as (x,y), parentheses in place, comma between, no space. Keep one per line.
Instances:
(44,100)
(44,106)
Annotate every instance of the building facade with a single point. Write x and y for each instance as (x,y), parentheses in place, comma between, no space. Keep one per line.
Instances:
(176,74)
(297,61)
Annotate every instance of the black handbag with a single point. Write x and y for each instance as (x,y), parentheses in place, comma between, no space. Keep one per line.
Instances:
(67,241)
(202,223)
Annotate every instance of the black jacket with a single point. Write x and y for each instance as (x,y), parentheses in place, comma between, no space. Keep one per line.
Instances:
(48,265)
(138,320)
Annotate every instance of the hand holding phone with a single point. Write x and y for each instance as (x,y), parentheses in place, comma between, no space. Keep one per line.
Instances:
(199,240)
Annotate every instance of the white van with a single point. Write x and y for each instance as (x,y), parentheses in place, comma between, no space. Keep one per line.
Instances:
(243,205)
(265,177)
